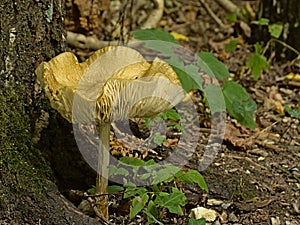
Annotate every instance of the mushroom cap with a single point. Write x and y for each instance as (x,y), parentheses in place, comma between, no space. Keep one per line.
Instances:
(115,83)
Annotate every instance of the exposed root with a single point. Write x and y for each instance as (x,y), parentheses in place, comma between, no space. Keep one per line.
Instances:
(231,8)
(85,42)
(155,16)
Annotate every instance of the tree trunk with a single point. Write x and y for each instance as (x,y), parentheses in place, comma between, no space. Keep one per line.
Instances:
(32,32)
(287,13)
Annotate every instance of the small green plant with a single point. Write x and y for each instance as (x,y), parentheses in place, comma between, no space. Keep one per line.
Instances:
(231,46)
(257,62)
(274,29)
(241,109)
(160,192)
(293,112)
(172,119)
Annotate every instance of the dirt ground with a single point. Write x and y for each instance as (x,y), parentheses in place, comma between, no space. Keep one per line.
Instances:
(255,179)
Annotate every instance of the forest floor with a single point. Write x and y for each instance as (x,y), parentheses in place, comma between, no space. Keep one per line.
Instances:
(255,178)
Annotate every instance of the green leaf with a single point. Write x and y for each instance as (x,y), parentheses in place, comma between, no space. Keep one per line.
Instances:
(191,177)
(231,46)
(238,104)
(152,213)
(175,125)
(151,218)
(153,34)
(231,17)
(151,166)
(129,184)
(114,171)
(193,221)
(171,114)
(258,48)
(132,161)
(189,81)
(152,208)
(198,179)
(114,189)
(145,176)
(172,201)
(234,92)
(188,75)
(275,29)
(165,175)
(157,40)
(183,177)
(293,113)
(217,67)
(151,162)
(148,121)
(257,63)
(91,191)
(138,204)
(214,97)
(133,191)
(262,22)
(158,139)
(245,13)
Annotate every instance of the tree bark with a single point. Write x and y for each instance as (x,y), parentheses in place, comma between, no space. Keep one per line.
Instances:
(287,13)
(32,32)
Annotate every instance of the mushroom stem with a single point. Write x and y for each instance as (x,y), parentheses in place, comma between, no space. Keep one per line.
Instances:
(102,173)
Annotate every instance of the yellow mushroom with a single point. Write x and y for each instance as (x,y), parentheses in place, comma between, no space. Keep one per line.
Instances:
(115,83)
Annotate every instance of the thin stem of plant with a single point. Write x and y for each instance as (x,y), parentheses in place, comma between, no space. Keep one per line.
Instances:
(280,42)
(102,173)
(286,45)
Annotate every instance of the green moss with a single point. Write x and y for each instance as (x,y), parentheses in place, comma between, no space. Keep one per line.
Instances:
(22,167)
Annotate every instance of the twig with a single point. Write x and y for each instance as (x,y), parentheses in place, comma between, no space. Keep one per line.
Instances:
(269,146)
(211,13)
(287,172)
(282,43)
(68,206)
(231,8)
(286,45)
(248,160)
(96,211)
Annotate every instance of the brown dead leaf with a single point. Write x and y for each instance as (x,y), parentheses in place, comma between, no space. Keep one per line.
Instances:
(170,143)
(279,107)
(238,136)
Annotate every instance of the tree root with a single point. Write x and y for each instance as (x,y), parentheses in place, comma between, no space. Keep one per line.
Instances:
(85,42)
(155,16)
(231,8)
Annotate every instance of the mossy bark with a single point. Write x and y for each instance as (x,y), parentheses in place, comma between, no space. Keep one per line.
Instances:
(31,32)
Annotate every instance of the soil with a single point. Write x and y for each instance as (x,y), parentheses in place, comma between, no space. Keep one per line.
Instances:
(255,178)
